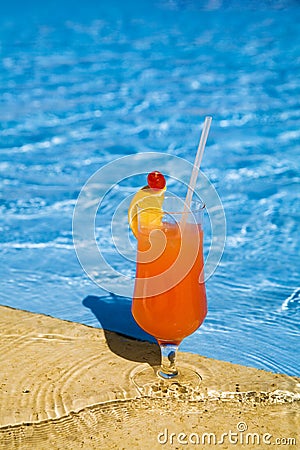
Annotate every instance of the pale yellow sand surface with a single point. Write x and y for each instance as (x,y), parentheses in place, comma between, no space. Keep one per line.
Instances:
(68,386)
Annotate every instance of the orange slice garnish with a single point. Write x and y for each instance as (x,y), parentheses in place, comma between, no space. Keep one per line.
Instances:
(150,202)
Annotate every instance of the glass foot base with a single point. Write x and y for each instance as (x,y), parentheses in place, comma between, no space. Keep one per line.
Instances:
(148,381)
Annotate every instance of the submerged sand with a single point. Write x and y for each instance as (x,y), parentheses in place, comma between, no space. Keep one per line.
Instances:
(67,385)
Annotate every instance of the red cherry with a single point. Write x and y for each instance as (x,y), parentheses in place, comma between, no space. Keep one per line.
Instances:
(156,180)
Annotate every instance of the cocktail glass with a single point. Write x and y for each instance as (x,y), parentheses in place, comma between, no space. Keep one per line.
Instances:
(169,300)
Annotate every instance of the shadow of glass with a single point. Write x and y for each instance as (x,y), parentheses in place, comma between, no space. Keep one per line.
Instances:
(123,335)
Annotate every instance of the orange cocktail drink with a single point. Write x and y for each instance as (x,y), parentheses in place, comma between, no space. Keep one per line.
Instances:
(169,298)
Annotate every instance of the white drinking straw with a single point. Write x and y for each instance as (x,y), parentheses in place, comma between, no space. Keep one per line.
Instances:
(196,167)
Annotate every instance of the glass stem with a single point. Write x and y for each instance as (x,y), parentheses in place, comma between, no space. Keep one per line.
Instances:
(168,360)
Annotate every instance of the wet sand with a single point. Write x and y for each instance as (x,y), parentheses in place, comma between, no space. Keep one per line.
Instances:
(67,385)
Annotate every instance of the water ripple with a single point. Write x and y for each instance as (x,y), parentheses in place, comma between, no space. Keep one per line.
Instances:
(292,303)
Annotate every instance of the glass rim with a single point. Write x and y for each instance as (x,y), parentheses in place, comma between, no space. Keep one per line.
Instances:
(191,210)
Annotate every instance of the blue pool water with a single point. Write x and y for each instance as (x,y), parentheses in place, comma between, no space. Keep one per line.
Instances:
(83,85)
